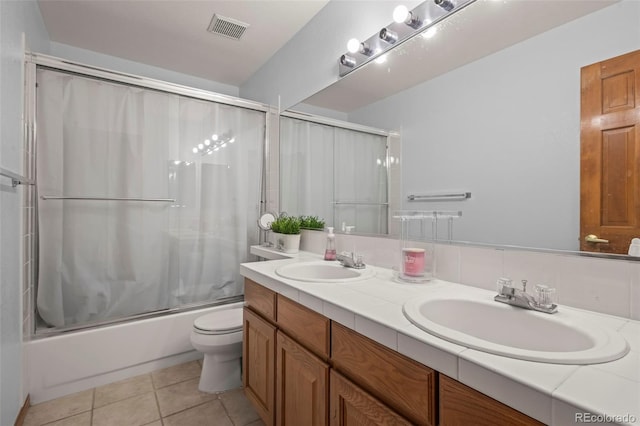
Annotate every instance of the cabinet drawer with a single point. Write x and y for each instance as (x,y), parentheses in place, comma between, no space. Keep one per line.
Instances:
(350,406)
(308,327)
(461,405)
(260,299)
(405,385)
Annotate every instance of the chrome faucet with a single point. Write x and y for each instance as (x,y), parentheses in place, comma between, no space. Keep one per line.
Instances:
(350,260)
(510,295)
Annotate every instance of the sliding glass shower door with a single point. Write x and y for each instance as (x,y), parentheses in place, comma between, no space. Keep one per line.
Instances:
(337,173)
(147,200)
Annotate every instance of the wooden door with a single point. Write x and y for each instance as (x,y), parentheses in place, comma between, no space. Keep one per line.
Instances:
(258,365)
(349,405)
(302,385)
(610,154)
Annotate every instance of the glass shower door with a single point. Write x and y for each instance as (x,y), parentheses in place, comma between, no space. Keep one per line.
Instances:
(147,200)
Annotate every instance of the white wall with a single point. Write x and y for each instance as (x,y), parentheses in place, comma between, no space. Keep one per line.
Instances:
(114,63)
(508,124)
(16,18)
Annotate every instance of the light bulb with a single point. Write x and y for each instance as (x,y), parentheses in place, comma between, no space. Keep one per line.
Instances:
(232,140)
(214,137)
(207,142)
(353,45)
(195,150)
(400,14)
(381,59)
(430,32)
(200,146)
(177,162)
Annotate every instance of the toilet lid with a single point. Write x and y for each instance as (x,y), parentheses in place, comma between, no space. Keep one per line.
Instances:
(222,321)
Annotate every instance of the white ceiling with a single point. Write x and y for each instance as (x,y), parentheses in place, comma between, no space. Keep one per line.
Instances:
(172,34)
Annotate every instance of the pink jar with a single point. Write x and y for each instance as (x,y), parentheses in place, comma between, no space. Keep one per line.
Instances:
(413,261)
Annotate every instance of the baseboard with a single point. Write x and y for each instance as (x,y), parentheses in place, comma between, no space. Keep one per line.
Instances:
(23,412)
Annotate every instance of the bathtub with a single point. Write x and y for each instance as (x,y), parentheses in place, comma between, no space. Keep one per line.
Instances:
(68,363)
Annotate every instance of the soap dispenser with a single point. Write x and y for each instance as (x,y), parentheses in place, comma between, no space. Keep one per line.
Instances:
(330,251)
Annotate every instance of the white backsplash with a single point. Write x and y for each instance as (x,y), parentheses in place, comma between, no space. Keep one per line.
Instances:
(601,285)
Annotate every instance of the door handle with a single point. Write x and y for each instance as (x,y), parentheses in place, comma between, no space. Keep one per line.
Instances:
(594,239)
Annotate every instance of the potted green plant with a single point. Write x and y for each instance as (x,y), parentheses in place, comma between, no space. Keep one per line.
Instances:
(311,222)
(286,231)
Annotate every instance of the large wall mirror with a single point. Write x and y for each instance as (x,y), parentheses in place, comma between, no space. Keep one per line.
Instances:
(490,104)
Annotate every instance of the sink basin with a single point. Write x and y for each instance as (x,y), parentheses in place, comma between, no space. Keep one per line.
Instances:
(323,271)
(489,326)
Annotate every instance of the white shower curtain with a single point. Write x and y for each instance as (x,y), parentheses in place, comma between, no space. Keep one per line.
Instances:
(335,173)
(102,260)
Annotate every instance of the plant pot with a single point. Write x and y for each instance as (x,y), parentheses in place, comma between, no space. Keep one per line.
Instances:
(288,243)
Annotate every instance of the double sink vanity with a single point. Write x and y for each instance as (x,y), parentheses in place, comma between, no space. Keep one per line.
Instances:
(325,344)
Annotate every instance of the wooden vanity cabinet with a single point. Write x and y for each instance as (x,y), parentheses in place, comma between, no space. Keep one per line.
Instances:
(300,368)
(285,353)
(461,405)
(403,384)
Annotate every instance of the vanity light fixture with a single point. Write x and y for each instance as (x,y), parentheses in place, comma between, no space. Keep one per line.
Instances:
(355,46)
(402,15)
(214,144)
(447,5)
(388,35)
(348,61)
(406,24)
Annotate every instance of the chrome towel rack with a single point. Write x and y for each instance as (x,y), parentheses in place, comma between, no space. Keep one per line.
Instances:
(56,197)
(16,179)
(458,196)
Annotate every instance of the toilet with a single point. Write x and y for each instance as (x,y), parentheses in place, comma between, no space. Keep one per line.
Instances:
(218,336)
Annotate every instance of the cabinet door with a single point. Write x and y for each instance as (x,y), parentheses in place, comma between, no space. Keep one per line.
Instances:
(258,365)
(301,385)
(352,406)
(461,405)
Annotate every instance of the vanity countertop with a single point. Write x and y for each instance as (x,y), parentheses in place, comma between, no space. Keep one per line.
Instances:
(554,394)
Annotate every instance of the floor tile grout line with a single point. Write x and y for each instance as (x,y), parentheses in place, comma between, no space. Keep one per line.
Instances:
(155,394)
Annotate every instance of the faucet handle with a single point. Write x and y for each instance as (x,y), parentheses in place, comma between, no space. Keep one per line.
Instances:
(524,286)
(545,296)
(505,286)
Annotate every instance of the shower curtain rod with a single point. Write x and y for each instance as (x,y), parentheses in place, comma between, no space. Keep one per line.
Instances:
(55,197)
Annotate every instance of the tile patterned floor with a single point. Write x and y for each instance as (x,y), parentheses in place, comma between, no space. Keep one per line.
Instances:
(167,397)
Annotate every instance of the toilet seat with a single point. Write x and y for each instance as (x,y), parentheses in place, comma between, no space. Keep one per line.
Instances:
(225,321)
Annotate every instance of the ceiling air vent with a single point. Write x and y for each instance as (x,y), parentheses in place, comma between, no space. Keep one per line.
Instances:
(227,27)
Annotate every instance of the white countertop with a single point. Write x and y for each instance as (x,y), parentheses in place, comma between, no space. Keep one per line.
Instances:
(550,393)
